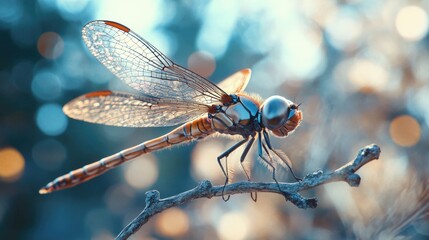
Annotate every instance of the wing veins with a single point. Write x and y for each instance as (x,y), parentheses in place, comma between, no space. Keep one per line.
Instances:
(123,109)
(180,77)
(129,56)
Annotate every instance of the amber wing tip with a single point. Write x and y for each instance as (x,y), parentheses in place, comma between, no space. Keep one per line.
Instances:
(246,71)
(116,25)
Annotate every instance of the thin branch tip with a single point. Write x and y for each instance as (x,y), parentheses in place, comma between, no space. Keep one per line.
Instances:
(366,155)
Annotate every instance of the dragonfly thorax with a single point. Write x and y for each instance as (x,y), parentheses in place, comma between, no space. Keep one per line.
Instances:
(238,118)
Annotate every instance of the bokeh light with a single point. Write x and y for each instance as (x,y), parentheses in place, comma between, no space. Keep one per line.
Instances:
(344,28)
(215,32)
(204,164)
(366,75)
(412,23)
(202,63)
(70,9)
(172,223)
(51,120)
(145,24)
(74,58)
(233,225)
(141,172)
(49,154)
(50,45)
(302,53)
(12,164)
(405,131)
(46,86)
(10,12)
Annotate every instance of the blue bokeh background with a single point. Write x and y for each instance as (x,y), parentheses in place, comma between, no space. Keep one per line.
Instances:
(359,68)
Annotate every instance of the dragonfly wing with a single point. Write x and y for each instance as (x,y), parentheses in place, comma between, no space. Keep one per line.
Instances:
(143,67)
(237,82)
(128,110)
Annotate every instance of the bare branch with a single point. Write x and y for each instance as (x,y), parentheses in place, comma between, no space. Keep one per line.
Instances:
(290,191)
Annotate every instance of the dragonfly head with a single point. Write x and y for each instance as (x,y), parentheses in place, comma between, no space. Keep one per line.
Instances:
(280,115)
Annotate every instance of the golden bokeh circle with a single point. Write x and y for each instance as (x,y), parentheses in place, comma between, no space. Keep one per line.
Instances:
(405,131)
(173,222)
(11,164)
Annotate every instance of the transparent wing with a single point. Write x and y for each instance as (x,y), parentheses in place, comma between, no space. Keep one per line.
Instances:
(237,82)
(143,67)
(128,110)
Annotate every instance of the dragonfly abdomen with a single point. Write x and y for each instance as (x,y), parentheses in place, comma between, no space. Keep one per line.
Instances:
(196,129)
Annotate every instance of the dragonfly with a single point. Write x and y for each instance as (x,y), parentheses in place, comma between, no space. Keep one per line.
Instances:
(168,95)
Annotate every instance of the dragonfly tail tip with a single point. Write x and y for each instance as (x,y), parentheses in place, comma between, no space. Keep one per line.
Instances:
(44,191)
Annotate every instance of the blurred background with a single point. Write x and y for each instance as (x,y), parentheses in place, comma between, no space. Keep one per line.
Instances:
(359,68)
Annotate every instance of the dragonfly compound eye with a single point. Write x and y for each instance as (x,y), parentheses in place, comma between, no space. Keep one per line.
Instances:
(275,111)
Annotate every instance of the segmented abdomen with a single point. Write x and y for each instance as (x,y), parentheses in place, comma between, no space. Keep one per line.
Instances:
(196,129)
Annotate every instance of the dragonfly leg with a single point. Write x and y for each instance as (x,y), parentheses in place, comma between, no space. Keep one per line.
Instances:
(225,155)
(242,158)
(226,181)
(260,153)
(268,142)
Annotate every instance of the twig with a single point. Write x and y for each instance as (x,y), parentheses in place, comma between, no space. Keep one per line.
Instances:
(290,191)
